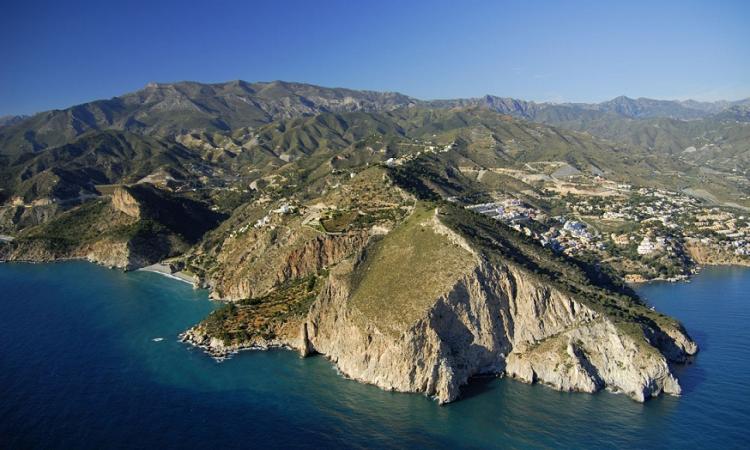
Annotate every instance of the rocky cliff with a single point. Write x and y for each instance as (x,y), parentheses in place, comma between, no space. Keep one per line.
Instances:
(252,265)
(424,309)
(495,319)
(124,201)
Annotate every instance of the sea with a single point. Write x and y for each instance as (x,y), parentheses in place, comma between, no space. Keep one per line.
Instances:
(90,359)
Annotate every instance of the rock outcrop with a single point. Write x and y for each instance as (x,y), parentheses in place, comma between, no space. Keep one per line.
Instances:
(495,319)
(289,335)
(267,258)
(593,356)
(123,201)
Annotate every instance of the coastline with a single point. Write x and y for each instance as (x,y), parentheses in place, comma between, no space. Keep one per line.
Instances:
(159,268)
(166,270)
(687,278)
(219,352)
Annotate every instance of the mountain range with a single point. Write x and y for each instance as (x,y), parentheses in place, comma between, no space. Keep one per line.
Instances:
(174,108)
(192,129)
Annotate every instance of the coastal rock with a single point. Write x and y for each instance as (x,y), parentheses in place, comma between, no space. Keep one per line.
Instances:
(288,335)
(497,318)
(592,356)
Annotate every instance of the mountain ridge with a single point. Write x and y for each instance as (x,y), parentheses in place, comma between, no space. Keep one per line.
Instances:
(174,108)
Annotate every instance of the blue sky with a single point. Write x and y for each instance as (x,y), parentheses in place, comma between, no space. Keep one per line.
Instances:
(56,54)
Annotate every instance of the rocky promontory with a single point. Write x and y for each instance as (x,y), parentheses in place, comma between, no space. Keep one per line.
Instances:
(431,304)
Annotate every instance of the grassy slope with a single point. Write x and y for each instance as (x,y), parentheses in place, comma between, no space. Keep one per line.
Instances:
(86,223)
(403,274)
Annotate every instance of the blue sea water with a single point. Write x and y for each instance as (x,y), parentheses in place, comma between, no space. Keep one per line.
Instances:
(79,368)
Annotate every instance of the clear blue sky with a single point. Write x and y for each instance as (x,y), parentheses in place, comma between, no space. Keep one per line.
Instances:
(59,53)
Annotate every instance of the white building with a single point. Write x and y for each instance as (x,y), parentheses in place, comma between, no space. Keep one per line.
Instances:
(646,246)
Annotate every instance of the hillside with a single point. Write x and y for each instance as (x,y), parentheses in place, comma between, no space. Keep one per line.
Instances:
(96,158)
(623,107)
(139,225)
(176,108)
(165,109)
(271,123)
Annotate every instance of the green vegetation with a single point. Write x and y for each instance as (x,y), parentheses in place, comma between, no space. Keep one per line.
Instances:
(242,321)
(402,274)
(84,224)
(97,158)
(339,221)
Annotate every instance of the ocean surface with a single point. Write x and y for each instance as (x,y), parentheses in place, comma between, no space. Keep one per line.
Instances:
(80,368)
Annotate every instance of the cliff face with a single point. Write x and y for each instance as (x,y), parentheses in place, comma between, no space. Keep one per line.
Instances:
(123,201)
(423,309)
(596,355)
(493,319)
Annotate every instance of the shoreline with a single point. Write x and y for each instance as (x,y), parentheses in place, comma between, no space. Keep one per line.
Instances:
(687,278)
(218,351)
(165,270)
(224,355)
